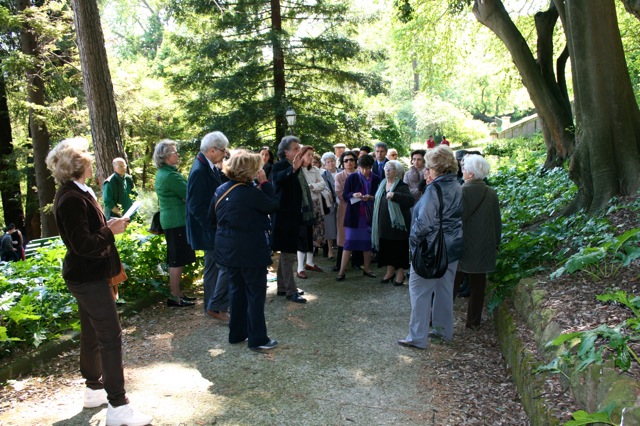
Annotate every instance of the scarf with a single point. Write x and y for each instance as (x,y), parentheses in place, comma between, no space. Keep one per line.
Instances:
(397,219)
(308,216)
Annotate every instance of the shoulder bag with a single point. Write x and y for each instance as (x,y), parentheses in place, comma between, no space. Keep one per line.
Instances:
(155,227)
(431,261)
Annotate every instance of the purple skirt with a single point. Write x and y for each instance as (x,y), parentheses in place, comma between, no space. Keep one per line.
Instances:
(358,239)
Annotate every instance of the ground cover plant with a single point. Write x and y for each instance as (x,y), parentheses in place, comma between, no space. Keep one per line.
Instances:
(36,306)
(590,262)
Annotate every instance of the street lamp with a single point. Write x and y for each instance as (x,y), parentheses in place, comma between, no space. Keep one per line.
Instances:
(290,115)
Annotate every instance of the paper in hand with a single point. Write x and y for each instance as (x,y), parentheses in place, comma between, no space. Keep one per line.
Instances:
(134,208)
(355,200)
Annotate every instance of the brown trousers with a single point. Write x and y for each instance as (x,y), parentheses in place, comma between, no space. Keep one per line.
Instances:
(477,286)
(100,339)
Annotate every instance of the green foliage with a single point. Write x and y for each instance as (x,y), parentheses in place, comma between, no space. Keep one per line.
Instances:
(36,305)
(606,259)
(584,348)
(223,65)
(582,417)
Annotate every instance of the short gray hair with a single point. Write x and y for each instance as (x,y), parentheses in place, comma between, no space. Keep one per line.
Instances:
(477,165)
(326,156)
(215,140)
(398,166)
(285,144)
(162,150)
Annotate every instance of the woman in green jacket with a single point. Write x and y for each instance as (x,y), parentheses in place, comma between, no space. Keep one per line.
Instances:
(171,189)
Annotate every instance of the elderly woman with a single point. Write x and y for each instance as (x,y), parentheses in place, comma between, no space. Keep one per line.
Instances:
(391,221)
(171,189)
(481,230)
(241,211)
(392,154)
(313,177)
(348,161)
(359,193)
(91,259)
(426,222)
(329,173)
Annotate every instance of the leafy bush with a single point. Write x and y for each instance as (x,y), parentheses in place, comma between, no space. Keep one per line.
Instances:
(36,305)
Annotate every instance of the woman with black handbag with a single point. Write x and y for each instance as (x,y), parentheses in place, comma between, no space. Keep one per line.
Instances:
(438,213)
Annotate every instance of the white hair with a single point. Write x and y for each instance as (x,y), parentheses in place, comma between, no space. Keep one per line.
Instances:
(215,140)
(477,165)
(398,166)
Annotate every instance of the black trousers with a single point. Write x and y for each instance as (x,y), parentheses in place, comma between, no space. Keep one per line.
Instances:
(477,286)
(100,339)
(247,296)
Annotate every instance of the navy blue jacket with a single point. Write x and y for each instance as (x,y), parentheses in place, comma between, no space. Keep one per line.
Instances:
(288,219)
(202,184)
(242,219)
(378,169)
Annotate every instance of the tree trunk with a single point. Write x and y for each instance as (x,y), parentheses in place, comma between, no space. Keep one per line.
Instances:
(279,83)
(9,176)
(607,157)
(38,129)
(105,129)
(33,228)
(416,77)
(633,7)
(542,88)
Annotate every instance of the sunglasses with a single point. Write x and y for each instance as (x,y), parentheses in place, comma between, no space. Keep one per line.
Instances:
(346,160)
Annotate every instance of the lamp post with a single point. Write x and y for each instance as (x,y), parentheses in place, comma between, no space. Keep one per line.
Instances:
(290,115)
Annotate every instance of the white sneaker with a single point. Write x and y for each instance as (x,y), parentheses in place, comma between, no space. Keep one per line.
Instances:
(94,398)
(124,415)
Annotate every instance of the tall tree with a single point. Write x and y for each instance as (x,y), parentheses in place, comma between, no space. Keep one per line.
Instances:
(604,143)
(37,125)
(240,65)
(105,129)
(9,176)
(607,157)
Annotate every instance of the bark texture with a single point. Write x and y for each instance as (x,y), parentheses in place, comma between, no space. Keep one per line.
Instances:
(537,76)
(38,128)
(279,82)
(607,158)
(9,176)
(105,129)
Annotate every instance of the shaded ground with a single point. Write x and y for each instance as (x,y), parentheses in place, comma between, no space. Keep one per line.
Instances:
(337,364)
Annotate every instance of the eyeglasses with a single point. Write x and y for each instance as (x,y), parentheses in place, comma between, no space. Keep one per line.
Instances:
(173,152)
(346,160)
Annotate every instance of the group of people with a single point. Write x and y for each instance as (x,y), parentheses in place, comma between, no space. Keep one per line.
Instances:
(241,208)
(11,244)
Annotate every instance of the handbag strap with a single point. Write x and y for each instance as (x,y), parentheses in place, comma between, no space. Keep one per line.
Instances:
(226,192)
(439,191)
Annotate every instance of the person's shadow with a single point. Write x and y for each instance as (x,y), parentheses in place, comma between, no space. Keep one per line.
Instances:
(83,418)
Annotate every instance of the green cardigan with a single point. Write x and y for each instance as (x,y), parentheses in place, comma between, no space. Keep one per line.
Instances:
(171,189)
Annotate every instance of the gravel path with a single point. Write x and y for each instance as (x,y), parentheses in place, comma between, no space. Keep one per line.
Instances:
(337,364)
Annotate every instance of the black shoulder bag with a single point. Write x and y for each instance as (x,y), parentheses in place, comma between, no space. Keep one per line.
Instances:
(432,261)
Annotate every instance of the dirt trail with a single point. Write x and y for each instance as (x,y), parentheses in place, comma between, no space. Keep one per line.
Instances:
(337,364)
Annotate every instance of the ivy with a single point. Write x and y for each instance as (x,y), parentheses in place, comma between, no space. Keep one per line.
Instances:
(36,305)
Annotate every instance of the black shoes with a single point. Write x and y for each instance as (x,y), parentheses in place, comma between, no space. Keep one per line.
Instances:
(408,344)
(296,298)
(368,274)
(182,303)
(269,345)
(386,280)
(188,298)
(399,283)
(340,277)
(284,293)
(335,269)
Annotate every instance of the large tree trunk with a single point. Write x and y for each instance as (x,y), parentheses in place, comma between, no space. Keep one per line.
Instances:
(38,129)
(279,83)
(633,7)
(33,228)
(537,78)
(105,129)
(9,176)
(607,157)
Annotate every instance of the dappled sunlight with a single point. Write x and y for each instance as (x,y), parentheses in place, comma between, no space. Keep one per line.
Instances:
(216,352)
(405,359)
